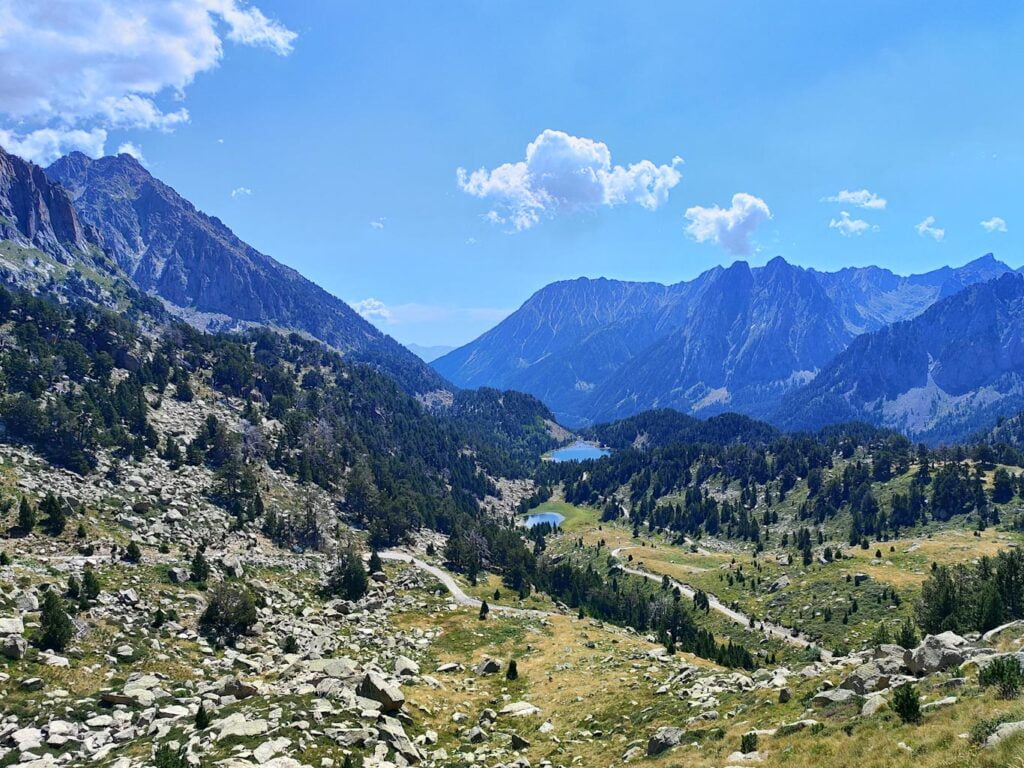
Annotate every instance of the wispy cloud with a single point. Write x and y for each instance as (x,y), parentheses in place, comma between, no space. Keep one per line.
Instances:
(564,174)
(861,198)
(412,313)
(378,223)
(730,227)
(927,228)
(848,226)
(995,224)
(241,192)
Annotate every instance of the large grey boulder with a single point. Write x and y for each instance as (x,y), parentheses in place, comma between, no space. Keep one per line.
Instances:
(664,738)
(875,675)
(376,688)
(13,646)
(836,698)
(936,653)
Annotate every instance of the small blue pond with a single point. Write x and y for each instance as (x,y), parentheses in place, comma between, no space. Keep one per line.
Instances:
(578,451)
(539,518)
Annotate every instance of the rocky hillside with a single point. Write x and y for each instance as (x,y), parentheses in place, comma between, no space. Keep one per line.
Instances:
(940,376)
(732,339)
(205,273)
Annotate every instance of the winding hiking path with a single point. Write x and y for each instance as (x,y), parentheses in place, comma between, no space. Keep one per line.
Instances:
(773,630)
(458,594)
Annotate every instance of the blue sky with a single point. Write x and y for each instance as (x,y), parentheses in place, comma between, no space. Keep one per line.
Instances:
(340,126)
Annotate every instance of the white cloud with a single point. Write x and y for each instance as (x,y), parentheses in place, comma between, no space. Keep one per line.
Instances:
(372,309)
(995,224)
(89,66)
(728,227)
(927,228)
(849,227)
(862,198)
(45,145)
(131,149)
(378,223)
(241,192)
(563,173)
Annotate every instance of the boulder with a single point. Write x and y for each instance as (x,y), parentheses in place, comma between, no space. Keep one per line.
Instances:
(13,646)
(664,738)
(406,667)
(874,676)
(376,688)
(1004,731)
(836,698)
(519,709)
(488,667)
(936,653)
(12,625)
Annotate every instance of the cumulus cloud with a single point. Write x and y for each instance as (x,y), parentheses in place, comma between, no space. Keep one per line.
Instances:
(862,198)
(74,67)
(372,309)
(927,228)
(728,227)
(995,224)
(563,174)
(44,145)
(848,226)
(241,192)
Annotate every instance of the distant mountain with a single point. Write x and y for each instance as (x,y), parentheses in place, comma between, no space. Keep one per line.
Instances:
(734,338)
(938,377)
(429,353)
(206,274)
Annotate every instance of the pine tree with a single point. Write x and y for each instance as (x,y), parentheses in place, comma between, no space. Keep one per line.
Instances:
(484,610)
(907,703)
(512,673)
(26,515)
(90,585)
(375,565)
(200,568)
(54,623)
(56,517)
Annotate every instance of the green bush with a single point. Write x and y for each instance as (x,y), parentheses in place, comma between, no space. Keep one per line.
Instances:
(230,613)
(1005,674)
(748,743)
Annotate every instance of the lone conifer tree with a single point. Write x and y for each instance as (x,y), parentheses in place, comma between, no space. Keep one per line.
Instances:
(484,610)
(55,624)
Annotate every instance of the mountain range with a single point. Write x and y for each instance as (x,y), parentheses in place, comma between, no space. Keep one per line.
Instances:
(934,355)
(195,264)
(735,338)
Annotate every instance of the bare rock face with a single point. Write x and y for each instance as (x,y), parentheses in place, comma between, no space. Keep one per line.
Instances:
(35,211)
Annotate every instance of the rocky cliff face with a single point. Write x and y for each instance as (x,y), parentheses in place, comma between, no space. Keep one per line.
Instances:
(36,213)
(937,377)
(206,273)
